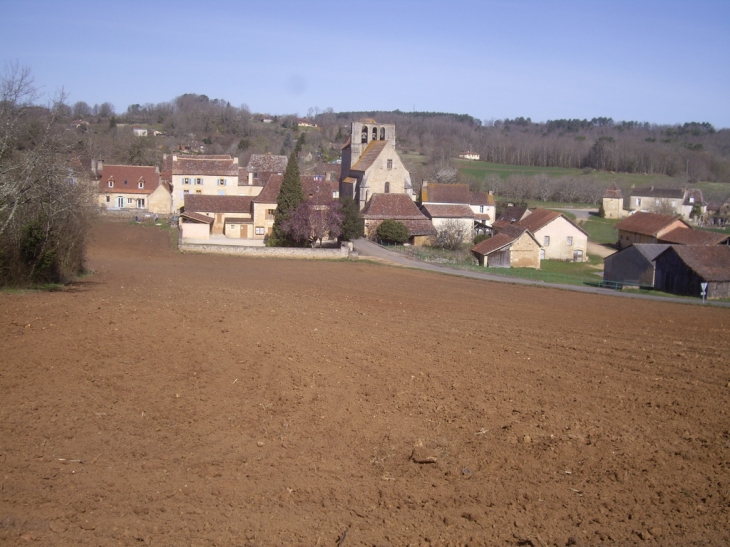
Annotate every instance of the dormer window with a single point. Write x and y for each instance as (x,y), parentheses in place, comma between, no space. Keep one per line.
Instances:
(691,200)
(140,185)
(111,184)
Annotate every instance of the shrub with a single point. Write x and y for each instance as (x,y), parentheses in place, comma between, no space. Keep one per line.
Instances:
(480,238)
(393,231)
(451,235)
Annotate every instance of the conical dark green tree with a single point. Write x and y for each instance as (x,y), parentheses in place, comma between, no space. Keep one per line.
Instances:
(352,224)
(290,195)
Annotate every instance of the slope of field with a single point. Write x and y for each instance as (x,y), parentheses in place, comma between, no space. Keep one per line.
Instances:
(208,400)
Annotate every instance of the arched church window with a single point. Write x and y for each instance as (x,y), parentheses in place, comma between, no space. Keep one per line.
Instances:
(375,133)
(382,133)
(364,138)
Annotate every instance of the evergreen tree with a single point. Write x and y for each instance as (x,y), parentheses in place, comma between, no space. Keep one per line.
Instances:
(352,224)
(290,195)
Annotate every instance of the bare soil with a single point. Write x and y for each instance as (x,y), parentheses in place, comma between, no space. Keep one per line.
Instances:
(174,399)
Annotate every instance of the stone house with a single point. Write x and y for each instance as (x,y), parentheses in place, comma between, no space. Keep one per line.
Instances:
(133,188)
(371,165)
(684,202)
(261,166)
(485,210)
(398,207)
(681,269)
(559,237)
(647,228)
(613,202)
(443,202)
(231,215)
(513,247)
(211,175)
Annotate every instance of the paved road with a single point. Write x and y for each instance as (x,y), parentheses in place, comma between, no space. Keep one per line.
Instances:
(368,249)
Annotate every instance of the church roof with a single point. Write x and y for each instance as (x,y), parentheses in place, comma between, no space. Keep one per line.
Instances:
(369,156)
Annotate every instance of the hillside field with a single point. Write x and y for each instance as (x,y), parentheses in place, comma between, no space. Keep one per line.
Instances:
(182,399)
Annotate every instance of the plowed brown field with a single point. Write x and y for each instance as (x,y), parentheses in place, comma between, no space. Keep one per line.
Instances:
(176,399)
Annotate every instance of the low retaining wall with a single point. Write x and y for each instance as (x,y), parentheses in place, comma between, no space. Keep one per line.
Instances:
(281,252)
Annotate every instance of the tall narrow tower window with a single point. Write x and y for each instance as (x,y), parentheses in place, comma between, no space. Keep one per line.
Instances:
(382,133)
(364,138)
(375,133)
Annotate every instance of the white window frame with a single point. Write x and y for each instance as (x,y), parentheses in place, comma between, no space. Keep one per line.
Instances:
(140,185)
(570,241)
(111,184)
(140,203)
(481,208)
(186,180)
(199,181)
(542,254)
(222,182)
(130,201)
(546,241)
(638,202)
(260,230)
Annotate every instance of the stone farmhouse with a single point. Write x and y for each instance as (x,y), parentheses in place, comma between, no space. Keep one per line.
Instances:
(371,165)
(261,166)
(246,217)
(132,188)
(456,202)
(513,247)
(647,228)
(399,207)
(669,201)
(559,237)
(212,175)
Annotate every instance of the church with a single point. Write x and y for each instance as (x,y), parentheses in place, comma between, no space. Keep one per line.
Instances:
(370,164)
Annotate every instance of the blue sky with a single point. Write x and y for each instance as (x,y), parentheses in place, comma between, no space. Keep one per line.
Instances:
(661,62)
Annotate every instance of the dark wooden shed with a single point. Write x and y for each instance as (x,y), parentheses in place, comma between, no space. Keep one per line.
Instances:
(680,269)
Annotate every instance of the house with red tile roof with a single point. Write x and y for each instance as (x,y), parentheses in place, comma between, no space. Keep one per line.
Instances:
(513,247)
(684,202)
(456,202)
(218,175)
(261,166)
(133,188)
(224,215)
(371,165)
(559,237)
(399,207)
(647,228)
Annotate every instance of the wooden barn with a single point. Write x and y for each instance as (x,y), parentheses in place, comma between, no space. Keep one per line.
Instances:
(680,269)
(633,265)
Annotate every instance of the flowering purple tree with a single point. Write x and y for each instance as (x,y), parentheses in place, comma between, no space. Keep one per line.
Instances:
(312,223)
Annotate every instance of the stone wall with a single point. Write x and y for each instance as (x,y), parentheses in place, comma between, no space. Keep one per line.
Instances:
(281,252)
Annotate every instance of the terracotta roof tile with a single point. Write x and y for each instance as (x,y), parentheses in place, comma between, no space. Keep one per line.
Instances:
(199,203)
(683,236)
(126,179)
(395,206)
(434,192)
(513,214)
(613,192)
(266,163)
(217,165)
(647,223)
(539,218)
(318,190)
(454,210)
(419,227)
(369,156)
(198,217)
(270,193)
(508,235)
(711,263)
(481,198)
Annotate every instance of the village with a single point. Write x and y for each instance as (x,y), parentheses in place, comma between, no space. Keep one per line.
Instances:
(229,207)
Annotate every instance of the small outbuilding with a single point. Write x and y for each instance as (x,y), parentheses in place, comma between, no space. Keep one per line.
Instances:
(681,269)
(633,265)
(513,247)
